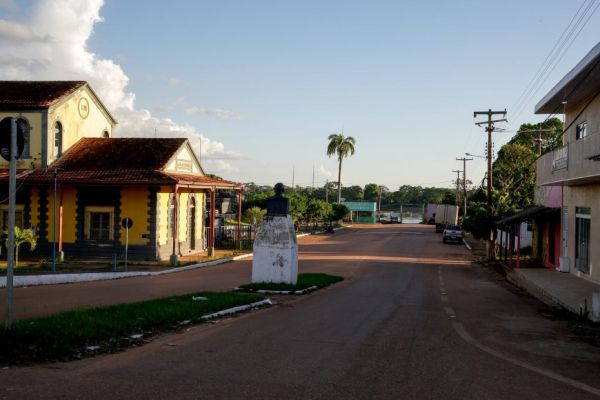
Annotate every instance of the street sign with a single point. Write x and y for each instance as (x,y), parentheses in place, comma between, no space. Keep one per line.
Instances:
(127,223)
(5,138)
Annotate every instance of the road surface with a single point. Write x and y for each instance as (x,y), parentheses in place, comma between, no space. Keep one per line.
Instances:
(414,319)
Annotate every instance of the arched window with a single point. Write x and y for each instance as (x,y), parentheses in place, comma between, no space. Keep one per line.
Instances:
(105,134)
(58,138)
(27,129)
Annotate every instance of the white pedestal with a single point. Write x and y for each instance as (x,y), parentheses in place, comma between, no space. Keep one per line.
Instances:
(275,256)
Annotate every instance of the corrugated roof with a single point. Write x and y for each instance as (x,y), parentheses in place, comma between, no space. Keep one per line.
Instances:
(25,95)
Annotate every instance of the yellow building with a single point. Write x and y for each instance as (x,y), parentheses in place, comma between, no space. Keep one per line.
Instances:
(77,184)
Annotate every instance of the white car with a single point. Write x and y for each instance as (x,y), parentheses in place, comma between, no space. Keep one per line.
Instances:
(452,233)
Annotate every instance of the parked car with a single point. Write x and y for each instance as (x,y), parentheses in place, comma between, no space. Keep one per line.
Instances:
(453,233)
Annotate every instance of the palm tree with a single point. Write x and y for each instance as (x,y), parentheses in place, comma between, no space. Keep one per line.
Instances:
(23,236)
(343,147)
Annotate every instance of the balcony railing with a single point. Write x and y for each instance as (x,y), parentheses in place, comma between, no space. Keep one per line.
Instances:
(575,163)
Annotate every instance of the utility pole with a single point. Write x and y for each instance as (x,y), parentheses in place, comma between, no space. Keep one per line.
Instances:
(489,129)
(327,191)
(464,160)
(458,171)
(539,139)
(378,202)
(12,196)
(313,181)
(293,176)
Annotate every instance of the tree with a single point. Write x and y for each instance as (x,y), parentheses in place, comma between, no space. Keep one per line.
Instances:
(449,198)
(22,236)
(316,210)
(254,215)
(338,211)
(548,131)
(343,147)
(514,178)
(352,193)
(371,192)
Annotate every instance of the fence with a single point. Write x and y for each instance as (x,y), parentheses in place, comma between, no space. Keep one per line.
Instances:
(226,236)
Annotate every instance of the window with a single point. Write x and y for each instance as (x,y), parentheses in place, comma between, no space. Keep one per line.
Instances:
(27,137)
(582,238)
(105,134)
(18,217)
(58,138)
(581,130)
(99,223)
(171,217)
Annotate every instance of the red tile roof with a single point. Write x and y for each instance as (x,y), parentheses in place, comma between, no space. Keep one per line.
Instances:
(26,95)
(119,161)
(103,154)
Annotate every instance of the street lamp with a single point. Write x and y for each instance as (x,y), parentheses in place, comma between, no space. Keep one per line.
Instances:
(474,155)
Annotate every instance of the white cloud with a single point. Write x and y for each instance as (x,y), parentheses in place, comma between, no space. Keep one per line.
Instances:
(13,30)
(174,81)
(324,172)
(53,46)
(213,112)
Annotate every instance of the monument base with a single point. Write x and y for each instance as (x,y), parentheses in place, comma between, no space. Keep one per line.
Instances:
(275,253)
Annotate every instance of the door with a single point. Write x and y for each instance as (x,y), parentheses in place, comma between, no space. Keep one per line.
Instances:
(192,233)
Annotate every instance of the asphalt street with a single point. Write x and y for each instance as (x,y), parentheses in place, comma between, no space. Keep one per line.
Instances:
(414,319)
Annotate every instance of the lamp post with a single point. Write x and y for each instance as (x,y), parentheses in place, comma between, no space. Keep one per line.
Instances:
(54,222)
(474,155)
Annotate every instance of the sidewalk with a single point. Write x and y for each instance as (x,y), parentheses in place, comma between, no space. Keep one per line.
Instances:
(577,295)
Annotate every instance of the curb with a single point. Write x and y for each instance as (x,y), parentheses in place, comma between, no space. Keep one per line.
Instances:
(319,232)
(234,310)
(49,279)
(467,245)
(265,291)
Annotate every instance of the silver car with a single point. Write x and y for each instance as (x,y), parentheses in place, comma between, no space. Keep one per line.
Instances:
(452,233)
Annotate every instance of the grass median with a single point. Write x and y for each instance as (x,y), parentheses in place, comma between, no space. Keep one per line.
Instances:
(74,334)
(305,281)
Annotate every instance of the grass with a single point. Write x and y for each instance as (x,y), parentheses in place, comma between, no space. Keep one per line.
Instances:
(304,281)
(69,335)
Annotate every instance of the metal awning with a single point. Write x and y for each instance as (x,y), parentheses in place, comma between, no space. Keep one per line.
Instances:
(527,214)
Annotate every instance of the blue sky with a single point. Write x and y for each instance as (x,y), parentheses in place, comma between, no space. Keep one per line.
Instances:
(270,80)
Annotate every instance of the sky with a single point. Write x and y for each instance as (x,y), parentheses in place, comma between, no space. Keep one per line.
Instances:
(258,86)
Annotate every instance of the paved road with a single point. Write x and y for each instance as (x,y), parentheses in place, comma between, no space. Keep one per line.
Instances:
(413,320)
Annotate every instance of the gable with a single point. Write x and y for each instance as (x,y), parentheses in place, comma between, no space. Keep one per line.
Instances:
(90,106)
(184,161)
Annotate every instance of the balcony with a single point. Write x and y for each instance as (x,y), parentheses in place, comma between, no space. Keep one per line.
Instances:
(576,163)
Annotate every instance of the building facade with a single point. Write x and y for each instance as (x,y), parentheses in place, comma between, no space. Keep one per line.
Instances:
(88,195)
(569,177)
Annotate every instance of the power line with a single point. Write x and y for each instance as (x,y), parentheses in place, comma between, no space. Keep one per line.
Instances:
(557,53)
(539,72)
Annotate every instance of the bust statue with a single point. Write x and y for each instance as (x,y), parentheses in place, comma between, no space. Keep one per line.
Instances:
(277,205)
